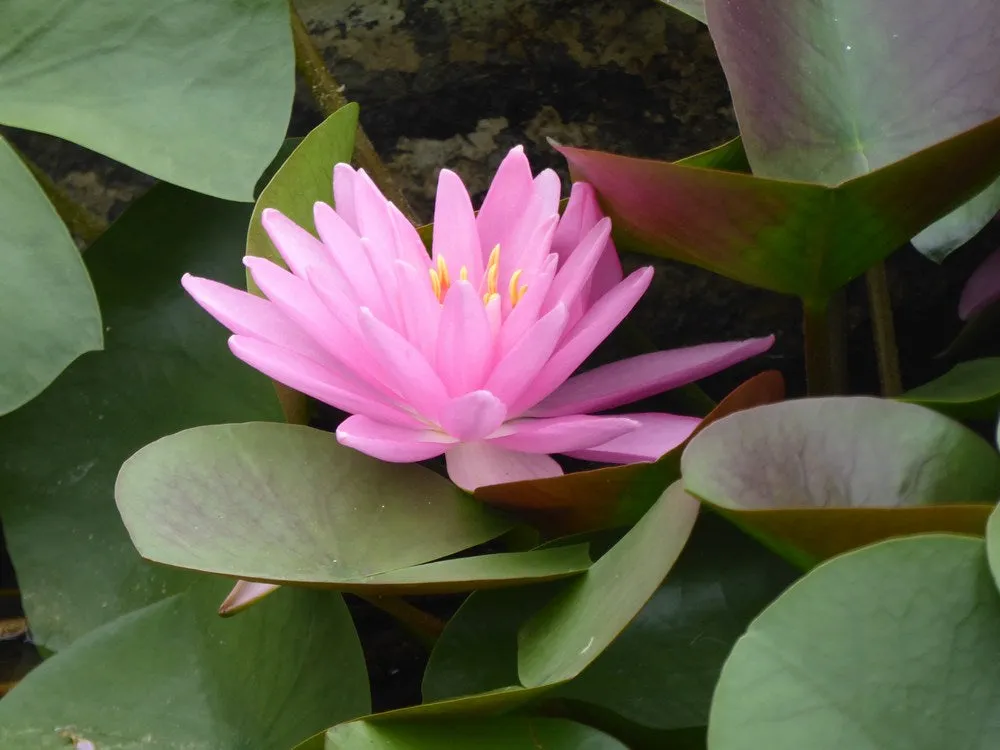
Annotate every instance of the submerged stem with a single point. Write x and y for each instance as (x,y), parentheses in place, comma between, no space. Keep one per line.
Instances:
(883,330)
(329,97)
(822,325)
(425,627)
(81,222)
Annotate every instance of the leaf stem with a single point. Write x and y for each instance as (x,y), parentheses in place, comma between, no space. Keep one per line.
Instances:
(80,221)
(823,327)
(883,330)
(329,97)
(425,627)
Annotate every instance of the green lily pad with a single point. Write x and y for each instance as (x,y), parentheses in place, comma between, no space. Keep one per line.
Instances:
(693,8)
(288,503)
(970,390)
(616,495)
(479,572)
(817,477)
(891,646)
(792,237)
(661,670)
(582,619)
(48,309)
(197,94)
(165,367)
(304,177)
(267,679)
(810,109)
(511,733)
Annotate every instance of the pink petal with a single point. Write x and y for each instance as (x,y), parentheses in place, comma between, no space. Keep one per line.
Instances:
(389,442)
(349,255)
(407,370)
(312,379)
(465,341)
(656,435)
(299,249)
(561,434)
(411,247)
(982,289)
(249,315)
(595,326)
(505,200)
(455,234)
(244,594)
(372,212)
(514,373)
(533,259)
(639,377)
(419,308)
(472,465)
(571,230)
(526,312)
(343,193)
(516,249)
(572,278)
(581,214)
(472,416)
(385,300)
(297,301)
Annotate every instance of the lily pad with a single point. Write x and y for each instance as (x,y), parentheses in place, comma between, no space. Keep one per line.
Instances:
(197,94)
(792,237)
(617,495)
(661,670)
(810,109)
(818,477)
(289,504)
(693,8)
(572,630)
(165,367)
(511,733)
(47,305)
(970,390)
(268,679)
(890,646)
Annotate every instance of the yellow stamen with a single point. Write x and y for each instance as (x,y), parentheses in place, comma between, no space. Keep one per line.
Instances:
(442,269)
(435,284)
(512,287)
(463,274)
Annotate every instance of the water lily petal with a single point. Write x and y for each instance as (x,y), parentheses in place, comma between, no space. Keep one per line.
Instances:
(244,594)
(516,250)
(371,210)
(299,249)
(300,373)
(349,257)
(297,301)
(406,369)
(581,214)
(343,193)
(656,435)
(508,194)
(629,380)
(472,465)
(472,416)
(465,341)
(391,442)
(455,235)
(526,312)
(249,315)
(595,326)
(411,247)
(562,434)
(574,274)
(514,373)
(419,308)
(982,288)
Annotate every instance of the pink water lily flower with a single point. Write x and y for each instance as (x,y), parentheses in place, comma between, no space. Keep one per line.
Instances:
(469,352)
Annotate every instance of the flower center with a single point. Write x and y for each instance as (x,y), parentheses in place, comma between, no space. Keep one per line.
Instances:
(441,280)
